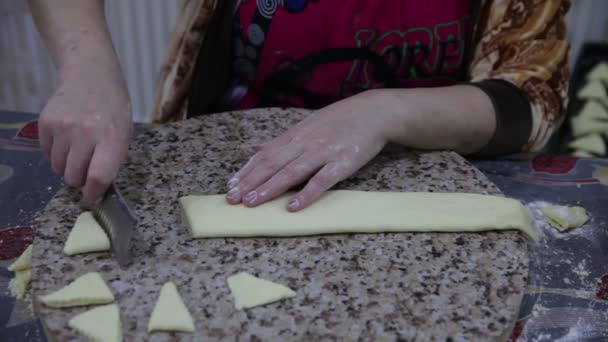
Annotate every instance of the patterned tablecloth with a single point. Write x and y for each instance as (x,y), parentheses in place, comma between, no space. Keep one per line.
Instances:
(567,294)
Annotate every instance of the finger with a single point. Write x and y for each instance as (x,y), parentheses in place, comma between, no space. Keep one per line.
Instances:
(265,166)
(293,174)
(233,182)
(102,170)
(77,163)
(322,181)
(59,153)
(251,163)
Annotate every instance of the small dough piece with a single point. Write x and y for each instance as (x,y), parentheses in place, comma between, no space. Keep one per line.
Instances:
(593,110)
(18,285)
(99,324)
(592,90)
(564,218)
(591,143)
(583,126)
(85,290)
(343,211)
(601,174)
(249,291)
(582,154)
(170,313)
(23,262)
(599,72)
(86,236)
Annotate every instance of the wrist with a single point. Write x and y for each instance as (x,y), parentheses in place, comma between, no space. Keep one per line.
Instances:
(397,115)
(89,74)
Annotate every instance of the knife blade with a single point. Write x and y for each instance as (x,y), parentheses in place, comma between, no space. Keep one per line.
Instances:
(117,220)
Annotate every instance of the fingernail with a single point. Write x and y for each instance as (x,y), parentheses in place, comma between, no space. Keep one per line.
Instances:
(233,182)
(293,203)
(234,193)
(251,197)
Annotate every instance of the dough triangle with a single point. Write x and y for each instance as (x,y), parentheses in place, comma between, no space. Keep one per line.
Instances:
(592,90)
(593,110)
(582,154)
(599,72)
(591,143)
(18,285)
(601,174)
(86,236)
(582,126)
(23,262)
(249,291)
(170,313)
(87,289)
(99,324)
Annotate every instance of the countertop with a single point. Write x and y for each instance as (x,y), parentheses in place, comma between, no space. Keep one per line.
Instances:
(424,285)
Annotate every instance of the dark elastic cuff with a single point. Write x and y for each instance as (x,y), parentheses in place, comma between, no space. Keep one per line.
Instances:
(513,117)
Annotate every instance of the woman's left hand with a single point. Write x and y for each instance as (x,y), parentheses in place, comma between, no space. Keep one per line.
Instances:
(326,148)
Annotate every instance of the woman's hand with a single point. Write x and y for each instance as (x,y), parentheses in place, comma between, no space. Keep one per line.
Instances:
(85,126)
(85,129)
(336,141)
(327,147)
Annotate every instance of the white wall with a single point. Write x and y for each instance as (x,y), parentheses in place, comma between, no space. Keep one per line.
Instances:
(141,29)
(587,20)
(26,72)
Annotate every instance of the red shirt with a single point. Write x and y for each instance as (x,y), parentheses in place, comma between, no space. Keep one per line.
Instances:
(310,53)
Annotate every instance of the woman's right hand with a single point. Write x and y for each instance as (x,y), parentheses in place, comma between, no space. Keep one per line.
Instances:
(85,128)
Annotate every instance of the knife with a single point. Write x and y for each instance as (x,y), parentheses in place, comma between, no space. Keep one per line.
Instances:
(115,217)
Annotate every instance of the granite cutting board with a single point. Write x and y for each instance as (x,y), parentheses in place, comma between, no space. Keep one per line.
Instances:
(427,286)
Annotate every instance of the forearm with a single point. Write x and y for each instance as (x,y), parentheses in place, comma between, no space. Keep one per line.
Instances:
(76,33)
(459,118)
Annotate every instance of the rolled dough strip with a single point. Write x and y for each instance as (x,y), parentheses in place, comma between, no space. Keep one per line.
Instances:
(357,212)
(23,262)
(99,324)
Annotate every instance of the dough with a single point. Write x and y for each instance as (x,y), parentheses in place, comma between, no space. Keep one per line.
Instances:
(170,313)
(85,290)
(18,285)
(593,110)
(99,324)
(583,126)
(592,90)
(249,291)
(599,72)
(601,174)
(591,143)
(357,212)
(86,236)
(564,218)
(23,273)
(582,154)
(23,262)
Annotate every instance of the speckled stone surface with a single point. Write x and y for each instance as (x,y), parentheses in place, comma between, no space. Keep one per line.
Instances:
(427,286)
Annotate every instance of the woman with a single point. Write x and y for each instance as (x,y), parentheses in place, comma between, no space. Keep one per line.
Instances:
(478,77)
